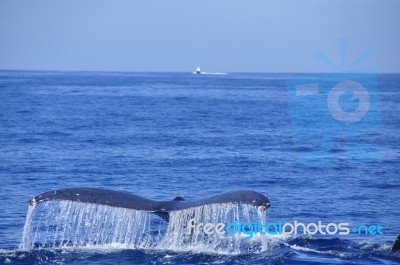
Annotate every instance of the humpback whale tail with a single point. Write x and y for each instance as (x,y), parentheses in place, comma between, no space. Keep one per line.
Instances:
(92,216)
(161,208)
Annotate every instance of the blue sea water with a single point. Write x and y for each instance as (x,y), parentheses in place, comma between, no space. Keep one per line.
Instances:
(162,135)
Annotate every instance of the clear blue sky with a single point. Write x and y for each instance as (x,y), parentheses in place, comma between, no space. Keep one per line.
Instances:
(178,35)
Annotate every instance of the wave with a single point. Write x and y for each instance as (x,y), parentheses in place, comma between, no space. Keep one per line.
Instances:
(294,251)
(212,73)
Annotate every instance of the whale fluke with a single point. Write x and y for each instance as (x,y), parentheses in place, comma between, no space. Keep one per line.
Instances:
(161,208)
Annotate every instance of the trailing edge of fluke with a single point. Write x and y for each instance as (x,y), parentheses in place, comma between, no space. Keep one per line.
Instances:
(161,208)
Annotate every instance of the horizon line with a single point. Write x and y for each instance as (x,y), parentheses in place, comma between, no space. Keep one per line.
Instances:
(181,72)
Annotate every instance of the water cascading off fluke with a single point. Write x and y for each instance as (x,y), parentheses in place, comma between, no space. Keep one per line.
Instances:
(62,222)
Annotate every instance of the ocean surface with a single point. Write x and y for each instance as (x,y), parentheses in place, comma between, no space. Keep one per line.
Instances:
(162,135)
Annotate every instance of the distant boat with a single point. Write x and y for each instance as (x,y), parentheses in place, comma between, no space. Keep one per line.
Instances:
(198,71)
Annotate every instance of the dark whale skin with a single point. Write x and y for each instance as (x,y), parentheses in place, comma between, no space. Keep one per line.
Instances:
(131,201)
